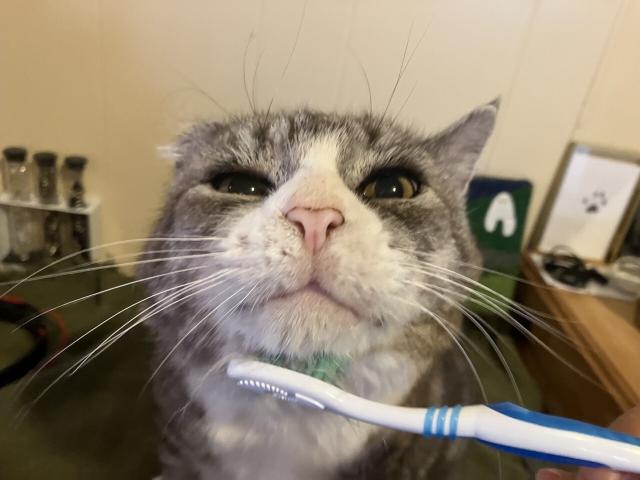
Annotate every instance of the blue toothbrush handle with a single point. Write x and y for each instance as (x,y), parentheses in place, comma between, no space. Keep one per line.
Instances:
(516,430)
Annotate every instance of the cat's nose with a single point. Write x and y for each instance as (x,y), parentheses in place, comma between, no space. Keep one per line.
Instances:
(314,224)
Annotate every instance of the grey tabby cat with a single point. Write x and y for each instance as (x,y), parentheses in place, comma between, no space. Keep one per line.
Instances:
(301,236)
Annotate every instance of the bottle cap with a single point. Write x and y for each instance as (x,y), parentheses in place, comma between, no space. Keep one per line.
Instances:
(15,154)
(75,162)
(45,159)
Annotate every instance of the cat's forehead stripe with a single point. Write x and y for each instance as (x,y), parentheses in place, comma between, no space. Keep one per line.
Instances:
(321,153)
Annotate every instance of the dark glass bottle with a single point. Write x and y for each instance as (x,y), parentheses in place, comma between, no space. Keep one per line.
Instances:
(74,186)
(47,177)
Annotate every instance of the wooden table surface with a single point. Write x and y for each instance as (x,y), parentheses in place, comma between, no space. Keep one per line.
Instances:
(604,333)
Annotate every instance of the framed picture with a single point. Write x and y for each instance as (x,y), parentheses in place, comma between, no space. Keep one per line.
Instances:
(591,203)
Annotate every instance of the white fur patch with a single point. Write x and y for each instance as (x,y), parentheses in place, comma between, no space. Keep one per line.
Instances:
(321,154)
(258,437)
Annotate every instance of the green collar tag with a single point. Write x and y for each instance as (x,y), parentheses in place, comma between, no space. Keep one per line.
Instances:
(325,367)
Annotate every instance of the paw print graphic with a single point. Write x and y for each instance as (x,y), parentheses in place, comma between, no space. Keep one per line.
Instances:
(595,202)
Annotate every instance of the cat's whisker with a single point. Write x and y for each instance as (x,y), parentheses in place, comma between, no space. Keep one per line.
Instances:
(141,255)
(215,324)
(194,86)
(244,71)
(107,245)
(215,366)
(487,302)
(146,313)
(404,104)
(234,308)
(89,332)
(285,69)
(103,291)
(194,327)
(467,358)
(118,265)
(363,71)
(490,294)
(259,298)
(140,318)
(67,372)
(443,324)
(480,324)
(253,80)
(465,338)
(462,263)
(501,303)
(505,306)
(403,67)
(203,338)
(473,266)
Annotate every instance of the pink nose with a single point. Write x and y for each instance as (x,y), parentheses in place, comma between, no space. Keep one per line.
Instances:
(315,224)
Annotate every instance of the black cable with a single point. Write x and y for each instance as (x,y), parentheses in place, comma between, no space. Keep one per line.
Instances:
(566,267)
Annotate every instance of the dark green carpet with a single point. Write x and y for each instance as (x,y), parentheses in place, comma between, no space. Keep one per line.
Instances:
(96,425)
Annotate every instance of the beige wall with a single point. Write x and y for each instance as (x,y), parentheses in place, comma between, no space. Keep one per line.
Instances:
(114,79)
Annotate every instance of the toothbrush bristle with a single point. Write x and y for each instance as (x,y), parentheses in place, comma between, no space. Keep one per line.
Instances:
(263,387)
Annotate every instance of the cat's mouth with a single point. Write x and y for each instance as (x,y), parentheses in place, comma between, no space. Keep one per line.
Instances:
(314,293)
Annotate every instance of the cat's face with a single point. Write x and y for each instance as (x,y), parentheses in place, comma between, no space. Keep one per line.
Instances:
(316,223)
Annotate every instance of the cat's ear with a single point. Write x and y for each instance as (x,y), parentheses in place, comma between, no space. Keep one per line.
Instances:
(195,139)
(458,147)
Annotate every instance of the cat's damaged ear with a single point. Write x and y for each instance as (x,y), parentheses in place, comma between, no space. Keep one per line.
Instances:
(458,147)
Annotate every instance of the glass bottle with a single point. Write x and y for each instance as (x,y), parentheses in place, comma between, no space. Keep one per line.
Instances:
(17,174)
(47,177)
(74,185)
(25,224)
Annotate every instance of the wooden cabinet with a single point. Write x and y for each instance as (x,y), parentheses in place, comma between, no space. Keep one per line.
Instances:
(590,369)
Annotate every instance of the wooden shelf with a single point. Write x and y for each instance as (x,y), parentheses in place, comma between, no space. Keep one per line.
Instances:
(92,205)
(601,334)
(91,212)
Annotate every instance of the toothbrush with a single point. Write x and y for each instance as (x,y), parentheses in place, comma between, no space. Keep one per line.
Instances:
(504,426)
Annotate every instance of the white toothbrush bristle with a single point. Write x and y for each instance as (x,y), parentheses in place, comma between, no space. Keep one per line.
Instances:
(263,387)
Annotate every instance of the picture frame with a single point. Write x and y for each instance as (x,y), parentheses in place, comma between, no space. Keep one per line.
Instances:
(591,202)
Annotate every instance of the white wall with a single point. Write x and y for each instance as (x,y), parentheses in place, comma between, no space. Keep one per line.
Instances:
(114,79)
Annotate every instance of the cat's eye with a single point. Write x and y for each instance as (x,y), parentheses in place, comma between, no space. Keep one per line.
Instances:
(241,184)
(390,184)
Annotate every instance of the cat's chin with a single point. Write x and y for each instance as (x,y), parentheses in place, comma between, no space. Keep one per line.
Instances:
(303,323)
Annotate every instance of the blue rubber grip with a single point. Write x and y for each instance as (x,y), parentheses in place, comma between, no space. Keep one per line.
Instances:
(558,423)
(439,428)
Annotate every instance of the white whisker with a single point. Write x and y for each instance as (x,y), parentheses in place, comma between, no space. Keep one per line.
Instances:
(478,322)
(108,245)
(194,327)
(158,307)
(451,334)
(490,294)
(126,264)
(85,297)
(86,334)
(489,303)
